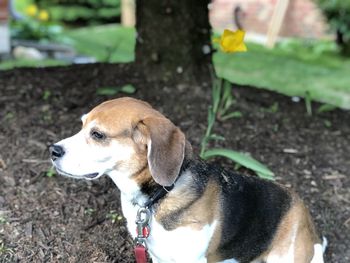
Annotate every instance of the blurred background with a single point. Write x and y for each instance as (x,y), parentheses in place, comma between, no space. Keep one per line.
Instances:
(296,47)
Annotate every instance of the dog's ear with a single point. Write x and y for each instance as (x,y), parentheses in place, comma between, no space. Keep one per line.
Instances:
(166,149)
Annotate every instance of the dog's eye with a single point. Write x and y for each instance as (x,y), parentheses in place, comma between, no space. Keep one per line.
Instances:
(96,135)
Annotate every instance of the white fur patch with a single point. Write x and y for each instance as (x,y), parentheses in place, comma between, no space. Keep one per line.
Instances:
(182,245)
(229,261)
(82,158)
(318,254)
(83,118)
(324,244)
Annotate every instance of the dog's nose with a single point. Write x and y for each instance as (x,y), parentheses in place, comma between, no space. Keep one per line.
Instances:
(56,152)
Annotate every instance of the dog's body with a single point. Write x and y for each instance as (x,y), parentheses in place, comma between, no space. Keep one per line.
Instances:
(210,215)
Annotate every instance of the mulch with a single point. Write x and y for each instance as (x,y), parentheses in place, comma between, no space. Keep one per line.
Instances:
(55,219)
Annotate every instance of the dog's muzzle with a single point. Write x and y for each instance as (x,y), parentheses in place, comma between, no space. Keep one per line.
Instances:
(57,152)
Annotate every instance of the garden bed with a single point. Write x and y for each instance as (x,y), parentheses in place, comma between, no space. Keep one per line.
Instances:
(55,219)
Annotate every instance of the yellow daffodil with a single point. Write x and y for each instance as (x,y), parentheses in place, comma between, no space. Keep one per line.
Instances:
(31,10)
(43,15)
(232,41)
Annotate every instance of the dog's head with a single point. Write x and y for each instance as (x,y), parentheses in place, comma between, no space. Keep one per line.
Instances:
(124,135)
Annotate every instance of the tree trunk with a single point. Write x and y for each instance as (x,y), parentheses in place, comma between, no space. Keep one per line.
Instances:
(343,45)
(173,39)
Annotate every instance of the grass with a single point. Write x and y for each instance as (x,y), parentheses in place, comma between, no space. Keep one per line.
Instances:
(9,64)
(297,71)
(324,78)
(108,43)
(301,73)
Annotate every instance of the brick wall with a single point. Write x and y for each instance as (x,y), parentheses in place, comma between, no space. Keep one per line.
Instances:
(303,18)
(4,30)
(3,10)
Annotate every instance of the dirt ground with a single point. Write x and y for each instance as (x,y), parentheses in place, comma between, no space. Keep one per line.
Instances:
(57,219)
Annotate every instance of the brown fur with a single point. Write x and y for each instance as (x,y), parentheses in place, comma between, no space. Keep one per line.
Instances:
(166,149)
(203,211)
(298,216)
(149,128)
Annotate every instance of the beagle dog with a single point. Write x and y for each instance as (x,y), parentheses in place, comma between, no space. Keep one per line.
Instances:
(196,212)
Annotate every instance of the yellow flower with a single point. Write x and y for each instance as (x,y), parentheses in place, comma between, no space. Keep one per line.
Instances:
(232,41)
(43,15)
(31,10)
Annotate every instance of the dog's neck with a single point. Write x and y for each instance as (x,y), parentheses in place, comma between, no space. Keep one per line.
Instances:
(128,187)
(139,188)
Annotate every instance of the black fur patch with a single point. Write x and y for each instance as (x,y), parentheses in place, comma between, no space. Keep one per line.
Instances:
(251,210)
(150,187)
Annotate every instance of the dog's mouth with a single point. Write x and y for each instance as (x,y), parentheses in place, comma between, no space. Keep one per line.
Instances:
(85,176)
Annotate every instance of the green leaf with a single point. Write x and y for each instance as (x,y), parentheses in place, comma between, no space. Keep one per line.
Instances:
(211,120)
(326,108)
(216,93)
(242,159)
(51,172)
(308,103)
(235,114)
(109,91)
(216,101)
(216,137)
(327,123)
(226,94)
(266,176)
(46,94)
(129,89)
(273,108)
(237,166)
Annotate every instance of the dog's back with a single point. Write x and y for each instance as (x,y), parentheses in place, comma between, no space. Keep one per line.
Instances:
(255,219)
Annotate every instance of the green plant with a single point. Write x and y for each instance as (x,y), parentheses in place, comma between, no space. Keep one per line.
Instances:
(220,98)
(32,29)
(51,172)
(273,108)
(337,13)
(89,211)
(83,12)
(46,94)
(5,252)
(9,116)
(36,25)
(327,123)
(223,100)
(326,108)
(3,220)
(110,91)
(308,103)
(15,63)
(114,216)
(242,160)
